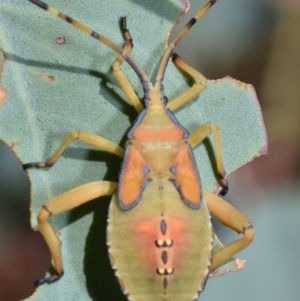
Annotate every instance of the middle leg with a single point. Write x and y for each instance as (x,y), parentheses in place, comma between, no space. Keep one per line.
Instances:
(198,136)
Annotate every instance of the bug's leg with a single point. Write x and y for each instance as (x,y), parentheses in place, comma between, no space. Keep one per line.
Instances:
(189,94)
(86,137)
(180,35)
(234,219)
(62,203)
(203,131)
(118,73)
(130,60)
(199,135)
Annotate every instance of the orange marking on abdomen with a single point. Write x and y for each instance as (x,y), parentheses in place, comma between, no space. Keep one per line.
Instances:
(148,232)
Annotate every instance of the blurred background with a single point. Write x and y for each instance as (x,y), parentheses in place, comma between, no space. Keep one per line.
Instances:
(257,42)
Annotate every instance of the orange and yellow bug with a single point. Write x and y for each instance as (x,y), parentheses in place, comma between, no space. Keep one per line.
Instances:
(158,210)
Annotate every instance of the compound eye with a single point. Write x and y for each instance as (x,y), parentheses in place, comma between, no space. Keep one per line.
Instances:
(145,101)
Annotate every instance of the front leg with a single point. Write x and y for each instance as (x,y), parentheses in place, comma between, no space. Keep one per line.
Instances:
(234,219)
(119,74)
(192,92)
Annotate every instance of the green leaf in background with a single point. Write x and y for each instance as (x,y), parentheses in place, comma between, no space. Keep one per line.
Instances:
(60,80)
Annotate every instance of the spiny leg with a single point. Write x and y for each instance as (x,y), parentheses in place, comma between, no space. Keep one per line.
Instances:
(60,204)
(184,30)
(234,219)
(118,73)
(195,90)
(199,135)
(85,137)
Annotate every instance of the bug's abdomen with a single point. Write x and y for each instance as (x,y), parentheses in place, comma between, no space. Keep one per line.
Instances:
(161,249)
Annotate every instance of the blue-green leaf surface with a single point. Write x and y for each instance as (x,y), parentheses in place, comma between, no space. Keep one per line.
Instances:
(60,80)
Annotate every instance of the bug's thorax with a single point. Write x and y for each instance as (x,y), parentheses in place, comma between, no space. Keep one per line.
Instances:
(156,134)
(156,122)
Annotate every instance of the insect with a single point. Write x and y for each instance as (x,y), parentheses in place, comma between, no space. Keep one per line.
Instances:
(158,209)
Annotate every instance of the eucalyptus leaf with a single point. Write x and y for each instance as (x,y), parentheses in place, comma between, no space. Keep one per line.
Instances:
(60,80)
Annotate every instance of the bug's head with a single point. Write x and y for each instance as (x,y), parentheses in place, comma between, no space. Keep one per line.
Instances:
(154,98)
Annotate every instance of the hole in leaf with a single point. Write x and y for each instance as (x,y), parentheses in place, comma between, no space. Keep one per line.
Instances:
(61,40)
